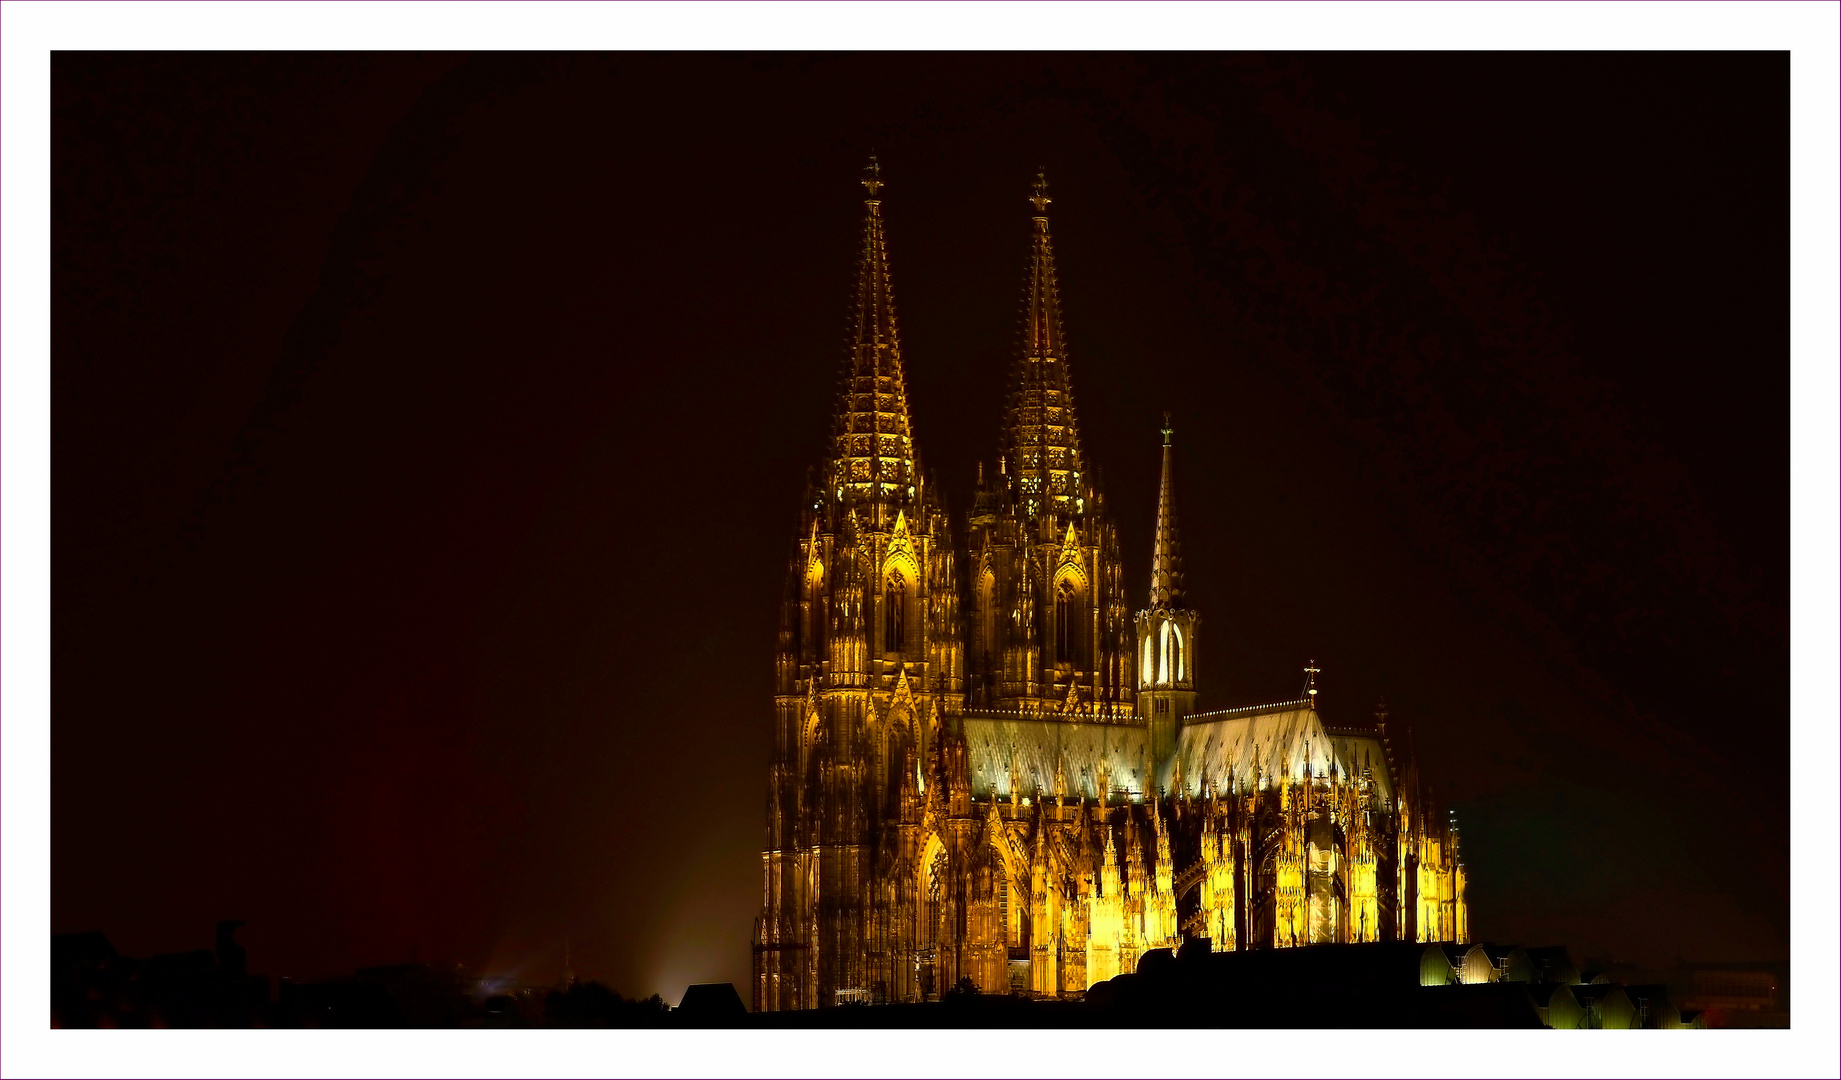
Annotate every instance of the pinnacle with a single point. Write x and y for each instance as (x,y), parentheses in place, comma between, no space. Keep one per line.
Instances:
(1167,552)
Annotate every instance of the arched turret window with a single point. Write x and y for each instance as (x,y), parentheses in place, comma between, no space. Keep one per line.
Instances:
(895,614)
(1172,660)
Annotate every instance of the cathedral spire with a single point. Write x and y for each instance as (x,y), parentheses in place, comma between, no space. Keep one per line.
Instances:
(1167,552)
(1041,439)
(873,457)
(1166,629)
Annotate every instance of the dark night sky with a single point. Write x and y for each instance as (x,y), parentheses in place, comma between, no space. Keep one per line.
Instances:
(428,432)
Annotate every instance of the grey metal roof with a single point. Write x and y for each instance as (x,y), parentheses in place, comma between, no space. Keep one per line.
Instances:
(1272,739)
(1277,737)
(1085,750)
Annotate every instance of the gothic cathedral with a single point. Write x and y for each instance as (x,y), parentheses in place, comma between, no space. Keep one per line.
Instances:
(986,765)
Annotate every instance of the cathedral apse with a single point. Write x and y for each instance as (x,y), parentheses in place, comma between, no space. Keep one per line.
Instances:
(989,761)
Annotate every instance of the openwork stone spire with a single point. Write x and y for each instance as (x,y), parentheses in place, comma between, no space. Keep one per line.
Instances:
(1167,551)
(1041,439)
(873,456)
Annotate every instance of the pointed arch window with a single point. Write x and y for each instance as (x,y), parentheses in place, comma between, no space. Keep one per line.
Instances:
(987,610)
(895,613)
(812,621)
(934,924)
(1065,615)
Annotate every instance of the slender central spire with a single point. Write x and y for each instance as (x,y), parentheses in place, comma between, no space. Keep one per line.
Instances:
(1041,438)
(1167,552)
(873,456)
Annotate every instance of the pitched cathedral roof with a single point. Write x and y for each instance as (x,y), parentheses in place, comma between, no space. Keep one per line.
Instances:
(1025,752)
(1267,741)
(1259,741)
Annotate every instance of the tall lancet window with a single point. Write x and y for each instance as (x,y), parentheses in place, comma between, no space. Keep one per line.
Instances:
(1175,656)
(987,610)
(812,629)
(933,925)
(895,614)
(1064,621)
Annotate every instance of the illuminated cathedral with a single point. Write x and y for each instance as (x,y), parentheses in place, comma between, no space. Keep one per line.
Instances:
(988,760)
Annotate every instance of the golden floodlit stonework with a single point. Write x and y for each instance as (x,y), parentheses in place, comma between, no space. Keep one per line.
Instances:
(987,766)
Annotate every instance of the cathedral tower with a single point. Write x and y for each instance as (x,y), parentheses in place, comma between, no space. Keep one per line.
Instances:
(1049,632)
(869,659)
(1166,629)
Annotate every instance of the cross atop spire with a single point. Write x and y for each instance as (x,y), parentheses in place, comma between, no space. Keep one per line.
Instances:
(1311,671)
(873,454)
(872,177)
(1039,195)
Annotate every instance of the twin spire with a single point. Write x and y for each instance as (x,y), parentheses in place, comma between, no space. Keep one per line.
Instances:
(1041,439)
(873,457)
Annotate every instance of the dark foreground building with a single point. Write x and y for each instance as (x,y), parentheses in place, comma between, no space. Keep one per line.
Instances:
(1372,985)
(1397,984)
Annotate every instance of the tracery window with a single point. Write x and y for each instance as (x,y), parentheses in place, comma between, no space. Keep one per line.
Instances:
(936,898)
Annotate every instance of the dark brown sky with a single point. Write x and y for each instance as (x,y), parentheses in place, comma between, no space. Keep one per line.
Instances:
(427,433)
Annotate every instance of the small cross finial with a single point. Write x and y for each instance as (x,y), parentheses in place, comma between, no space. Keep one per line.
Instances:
(872,179)
(1040,198)
(1166,429)
(1310,682)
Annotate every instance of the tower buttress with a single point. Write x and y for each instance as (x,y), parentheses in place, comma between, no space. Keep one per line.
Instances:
(868,646)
